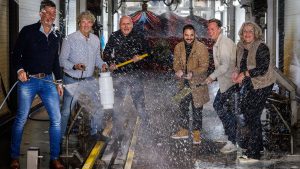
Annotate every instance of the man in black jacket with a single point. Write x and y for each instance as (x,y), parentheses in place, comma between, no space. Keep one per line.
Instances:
(36,57)
(123,45)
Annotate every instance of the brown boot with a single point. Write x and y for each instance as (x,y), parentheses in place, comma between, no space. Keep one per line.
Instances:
(182,133)
(196,137)
(15,164)
(56,164)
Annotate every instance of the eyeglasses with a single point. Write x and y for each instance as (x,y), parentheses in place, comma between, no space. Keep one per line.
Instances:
(51,13)
(248,31)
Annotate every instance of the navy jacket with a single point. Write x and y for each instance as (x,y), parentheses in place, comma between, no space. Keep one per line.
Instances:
(120,48)
(37,53)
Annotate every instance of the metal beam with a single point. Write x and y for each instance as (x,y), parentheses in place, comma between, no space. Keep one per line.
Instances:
(292,88)
(272,29)
(110,17)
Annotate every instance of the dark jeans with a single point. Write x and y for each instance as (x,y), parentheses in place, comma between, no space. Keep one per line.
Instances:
(224,106)
(252,104)
(132,83)
(196,114)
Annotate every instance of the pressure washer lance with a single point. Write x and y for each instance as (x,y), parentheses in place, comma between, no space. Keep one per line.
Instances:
(28,76)
(184,92)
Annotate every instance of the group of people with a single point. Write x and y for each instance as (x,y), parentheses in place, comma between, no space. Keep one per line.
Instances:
(244,69)
(38,54)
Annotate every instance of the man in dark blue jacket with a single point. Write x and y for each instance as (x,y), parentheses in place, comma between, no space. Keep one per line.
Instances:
(36,57)
(123,45)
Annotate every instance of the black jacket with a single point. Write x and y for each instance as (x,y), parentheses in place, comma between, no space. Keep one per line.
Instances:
(120,48)
(37,53)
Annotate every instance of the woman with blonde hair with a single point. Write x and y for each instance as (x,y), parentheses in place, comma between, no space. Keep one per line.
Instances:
(256,79)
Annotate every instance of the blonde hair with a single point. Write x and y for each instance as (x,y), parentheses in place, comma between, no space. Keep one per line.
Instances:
(257,30)
(86,15)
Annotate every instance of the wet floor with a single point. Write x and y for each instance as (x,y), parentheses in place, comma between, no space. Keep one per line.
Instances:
(155,149)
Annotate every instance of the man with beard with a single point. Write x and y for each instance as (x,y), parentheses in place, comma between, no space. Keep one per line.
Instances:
(190,66)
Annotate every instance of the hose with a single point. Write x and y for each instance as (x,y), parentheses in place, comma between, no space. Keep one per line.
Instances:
(8,94)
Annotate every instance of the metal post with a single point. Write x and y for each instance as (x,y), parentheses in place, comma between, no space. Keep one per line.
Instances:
(191,8)
(231,21)
(272,29)
(110,16)
(33,156)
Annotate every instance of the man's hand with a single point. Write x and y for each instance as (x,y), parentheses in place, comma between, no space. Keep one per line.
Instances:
(22,76)
(240,78)
(104,68)
(208,80)
(189,76)
(234,76)
(60,89)
(179,73)
(79,66)
(136,58)
(112,67)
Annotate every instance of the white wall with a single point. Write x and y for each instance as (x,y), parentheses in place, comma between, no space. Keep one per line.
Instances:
(29,12)
(71,17)
(292,41)
(239,20)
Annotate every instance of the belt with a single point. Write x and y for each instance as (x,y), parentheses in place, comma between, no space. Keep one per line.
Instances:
(39,75)
(75,78)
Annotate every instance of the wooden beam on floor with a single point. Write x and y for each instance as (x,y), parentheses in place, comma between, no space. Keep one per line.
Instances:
(131,150)
(99,146)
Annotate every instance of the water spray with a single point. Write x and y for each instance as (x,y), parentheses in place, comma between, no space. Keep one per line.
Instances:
(106,85)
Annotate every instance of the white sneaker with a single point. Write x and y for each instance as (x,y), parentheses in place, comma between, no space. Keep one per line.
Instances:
(245,160)
(228,148)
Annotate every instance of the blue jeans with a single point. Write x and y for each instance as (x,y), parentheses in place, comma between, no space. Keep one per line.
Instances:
(48,93)
(86,87)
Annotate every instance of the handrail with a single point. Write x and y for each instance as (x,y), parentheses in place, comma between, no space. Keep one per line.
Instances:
(292,88)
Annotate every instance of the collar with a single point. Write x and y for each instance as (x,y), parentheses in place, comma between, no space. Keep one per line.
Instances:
(84,37)
(129,35)
(42,29)
(187,44)
(218,40)
(248,46)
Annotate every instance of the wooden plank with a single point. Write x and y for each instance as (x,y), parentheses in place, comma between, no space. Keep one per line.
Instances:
(131,150)
(89,163)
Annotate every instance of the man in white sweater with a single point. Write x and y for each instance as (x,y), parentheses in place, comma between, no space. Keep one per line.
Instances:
(224,53)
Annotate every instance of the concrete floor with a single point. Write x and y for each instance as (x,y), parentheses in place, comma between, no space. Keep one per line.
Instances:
(155,149)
